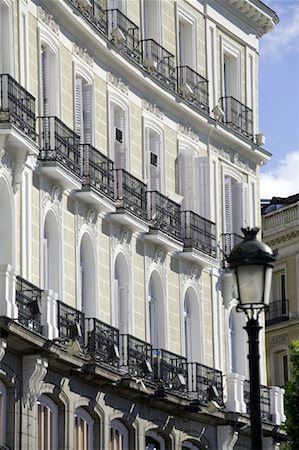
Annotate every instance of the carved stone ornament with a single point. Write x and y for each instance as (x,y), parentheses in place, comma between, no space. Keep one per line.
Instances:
(83,54)
(153,109)
(118,83)
(121,238)
(51,197)
(155,257)
(48,20)
(3,347)
(234,157)
(87,217)
(34,371)
(188,132)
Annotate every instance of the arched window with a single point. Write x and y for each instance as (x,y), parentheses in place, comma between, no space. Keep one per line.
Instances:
(47,424)
(119,135)
(154,442)
(87,279)
(192,327)
(52,263)
(2,414)
(121,293)
(83,110)
(156,312)
(6,225)
(83,430)
(119,436)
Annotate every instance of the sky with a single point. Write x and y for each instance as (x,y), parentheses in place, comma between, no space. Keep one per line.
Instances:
(279,101)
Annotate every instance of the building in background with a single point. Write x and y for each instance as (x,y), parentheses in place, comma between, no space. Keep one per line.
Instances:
(129,160)
(280,226)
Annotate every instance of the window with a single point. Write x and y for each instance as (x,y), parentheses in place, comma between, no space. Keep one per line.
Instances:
(186,40)
(118,136)
(154,442)
(279,286)
(2,414)
(152,20)
(156,312)
(83,110)
(122,306)
(51,253)
(153,157)
(6,221)
(47,423)
(6,35)
(230,70)
(280,372)
(118,436)
(192,327)
(87,278)
(49,81)
(83,430)
(23,41)
(237,344)
(235,207)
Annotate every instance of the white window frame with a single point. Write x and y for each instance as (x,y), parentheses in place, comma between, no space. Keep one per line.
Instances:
(45,253)
(118,319)
(81,414)
(115,100)
(120,427)
(241,345)
(185,17)
(46,402)
(151,125)
(9,39)
(280,268)
(3,395)
(233,53)
(160,316)
(277,369)
(195,325)
(26,222)
(80,71)
(157,7)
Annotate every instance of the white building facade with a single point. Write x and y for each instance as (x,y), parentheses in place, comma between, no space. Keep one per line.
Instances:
(129,161)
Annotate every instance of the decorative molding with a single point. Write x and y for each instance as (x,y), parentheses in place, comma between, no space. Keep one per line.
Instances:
(34,371)
(118,83)
(155,257)
(48,20)
(14,165)
(280,339)
(51,197)
(153,109)
(3,347)
(83,54)
(121,238)
(188,132)
(88,218)
(234,157)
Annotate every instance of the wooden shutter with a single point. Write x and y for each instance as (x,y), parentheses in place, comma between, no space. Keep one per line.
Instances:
(119,147)
(45,73)
(154,162)
(79,128)
(87,113)
(202,196)
(186,179)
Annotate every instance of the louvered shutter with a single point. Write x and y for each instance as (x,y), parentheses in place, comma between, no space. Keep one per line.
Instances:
(123,309)
(45,81)
(79,109)
(245,205)
(119,147)
(228,206)
(202,195)
(239,206)
(186,179)
(87,113)
(154,162)
(116,304)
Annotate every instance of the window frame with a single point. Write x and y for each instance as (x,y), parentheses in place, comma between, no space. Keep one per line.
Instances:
(117,425)
(184,16)
(45,402)
(116,101)
(233,54)
(82,414)
(150,126)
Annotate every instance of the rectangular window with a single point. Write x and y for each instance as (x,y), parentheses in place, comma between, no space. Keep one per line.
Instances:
(119,135)
(154,160)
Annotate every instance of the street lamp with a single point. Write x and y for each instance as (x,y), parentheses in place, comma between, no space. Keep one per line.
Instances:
(251,263)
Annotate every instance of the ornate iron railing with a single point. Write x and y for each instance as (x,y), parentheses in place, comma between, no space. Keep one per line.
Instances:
(103,342)
(124,33)
(17,106)
(97,171)
(159,62)
(170,369)
(164,214)
(131,194)
(95,14)
(264,400)
(205,383)
(198,233)
(193,87)
(59,144)
(277,312)
(136,356)
(237,116)
(28,300)
(229,240)
(67,319)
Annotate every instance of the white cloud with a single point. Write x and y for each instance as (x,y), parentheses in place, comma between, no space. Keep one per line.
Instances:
(283,180)
(285,36)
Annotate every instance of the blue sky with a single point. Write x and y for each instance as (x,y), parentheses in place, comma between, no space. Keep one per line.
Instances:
(279,101)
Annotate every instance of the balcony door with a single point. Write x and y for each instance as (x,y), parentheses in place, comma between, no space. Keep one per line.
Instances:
(83,110)
(152,20)
(192,327)
(121,294)
(156,312)
(87,278)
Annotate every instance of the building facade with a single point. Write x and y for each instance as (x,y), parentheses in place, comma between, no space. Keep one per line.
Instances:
(280,230)
(129,161)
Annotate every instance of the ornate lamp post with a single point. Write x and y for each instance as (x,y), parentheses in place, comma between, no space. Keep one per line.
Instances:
(251,262)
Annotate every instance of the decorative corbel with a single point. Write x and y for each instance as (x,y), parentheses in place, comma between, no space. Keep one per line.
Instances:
(34,371)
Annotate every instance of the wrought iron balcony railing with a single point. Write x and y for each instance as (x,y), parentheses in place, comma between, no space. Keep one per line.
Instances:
(159,62)
(130,194)
(103,342)
(198,233)
(58,143)
(70,323)
(97,171)
(164,214)
(28,300)
(95,14)
(205,383)
(170,369)
(124,33)
(237,116)
(17,106)
(229,240)
(136,356)
(277,312)
(193,87)
(265,400)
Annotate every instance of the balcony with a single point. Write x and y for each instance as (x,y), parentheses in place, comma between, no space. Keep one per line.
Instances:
(95,14)
(265,400)
(28,301)
(60,152)
(193,87)
(170,370)
(136,356)
(283,220)
(164,216)
(103,342)
(123,33)
(70,323)
(229,240)
(198,234)
(237,116)
(158,62)
(277,312)
(131,201)
(17,115)
(97,179)
(205,383)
